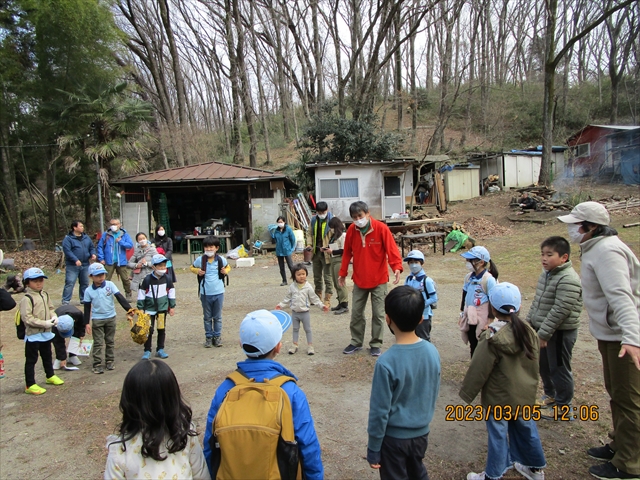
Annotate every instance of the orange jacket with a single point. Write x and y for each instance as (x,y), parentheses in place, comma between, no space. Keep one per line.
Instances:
(371,254)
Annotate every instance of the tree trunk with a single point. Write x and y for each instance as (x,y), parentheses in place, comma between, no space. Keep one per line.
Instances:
(50,173)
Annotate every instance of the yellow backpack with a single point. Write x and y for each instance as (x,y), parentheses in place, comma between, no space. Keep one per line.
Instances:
(140,329)
(253,435)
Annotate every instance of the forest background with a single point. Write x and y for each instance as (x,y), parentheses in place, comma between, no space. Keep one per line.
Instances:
(96,89)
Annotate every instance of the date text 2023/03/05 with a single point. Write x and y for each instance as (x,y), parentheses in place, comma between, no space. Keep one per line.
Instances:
(461,413)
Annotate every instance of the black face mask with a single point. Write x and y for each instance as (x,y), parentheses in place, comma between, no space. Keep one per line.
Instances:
(391,329)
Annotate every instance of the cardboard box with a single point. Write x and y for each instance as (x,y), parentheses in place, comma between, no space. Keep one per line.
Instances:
(245,262)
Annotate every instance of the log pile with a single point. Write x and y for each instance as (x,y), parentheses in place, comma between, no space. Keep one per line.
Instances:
(617,203)
(543,197)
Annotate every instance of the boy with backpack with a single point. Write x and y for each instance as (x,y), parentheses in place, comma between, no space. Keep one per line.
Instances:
(34,323)
(233,452)
(212,269)
(404,390)
(419,280)
(157,297)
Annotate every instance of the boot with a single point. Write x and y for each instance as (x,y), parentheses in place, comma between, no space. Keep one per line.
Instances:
(337,307)
(319,293)
(344,308)
(327,299)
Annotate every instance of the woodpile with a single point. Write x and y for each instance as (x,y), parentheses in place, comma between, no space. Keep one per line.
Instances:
(543,197)
(44,259)
(617,203)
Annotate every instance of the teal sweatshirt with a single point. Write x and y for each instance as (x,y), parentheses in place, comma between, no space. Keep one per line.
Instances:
(404,391)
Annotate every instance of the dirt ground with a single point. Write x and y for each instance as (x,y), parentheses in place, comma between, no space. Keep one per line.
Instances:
(61,434)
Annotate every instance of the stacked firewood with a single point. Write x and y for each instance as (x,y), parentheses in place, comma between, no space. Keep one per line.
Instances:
(617,203)
(543,197)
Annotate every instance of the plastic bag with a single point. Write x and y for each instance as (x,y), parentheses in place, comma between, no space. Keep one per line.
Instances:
(238,252)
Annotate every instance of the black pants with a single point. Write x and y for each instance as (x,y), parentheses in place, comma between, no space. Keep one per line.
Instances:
(423,330)
(281,264)
(161,334)
(401,459)
(473,340)
(59,344)
(555,366)
(31,351)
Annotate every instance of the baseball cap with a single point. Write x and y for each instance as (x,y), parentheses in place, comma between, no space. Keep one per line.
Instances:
(477,252)
(96,269)
(32,273)
(65,326)
(505,294)
(415,255)
(158,258)
(263,330)
(593,212)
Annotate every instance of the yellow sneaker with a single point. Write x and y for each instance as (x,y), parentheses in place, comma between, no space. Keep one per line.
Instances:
(55,380)
(35,389)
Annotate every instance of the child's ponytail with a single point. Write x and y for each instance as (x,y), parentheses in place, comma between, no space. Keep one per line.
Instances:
(521,333)
(493,270)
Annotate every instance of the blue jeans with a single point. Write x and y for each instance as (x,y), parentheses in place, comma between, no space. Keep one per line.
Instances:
(73,273)
(212,311)
(512,441)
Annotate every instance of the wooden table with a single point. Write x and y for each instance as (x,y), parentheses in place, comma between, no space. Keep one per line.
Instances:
(417,237)
(225,236)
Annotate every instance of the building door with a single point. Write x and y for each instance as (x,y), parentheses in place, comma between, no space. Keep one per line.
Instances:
(392,197)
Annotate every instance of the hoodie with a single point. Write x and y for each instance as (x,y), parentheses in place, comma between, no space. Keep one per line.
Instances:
(305,433)
(500,368)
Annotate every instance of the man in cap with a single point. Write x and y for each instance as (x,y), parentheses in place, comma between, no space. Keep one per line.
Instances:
(610,277)
(260,339)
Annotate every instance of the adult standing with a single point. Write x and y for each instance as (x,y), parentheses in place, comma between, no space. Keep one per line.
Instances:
(318,241)
(338,237)
(163,241)
(112,253)
(285,242)
(611,294)
(78,251)
(141,262)
(371,245)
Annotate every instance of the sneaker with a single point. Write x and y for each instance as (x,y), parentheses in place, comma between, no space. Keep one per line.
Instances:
(128,296)
(75,361)
(284,284)
(208,343)
(310,350)
(146,355)
(56,364)
(161,354)
(375,352)
(607,471)
(351,349)
(546,401)
(35,389)
(111,366)
(476,476)
(55,380)
(601,453)
(529,473)
(217,341)
(341,310)
(293,349)
(98,370)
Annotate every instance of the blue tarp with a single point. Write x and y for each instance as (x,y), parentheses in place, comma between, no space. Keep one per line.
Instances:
(630,166)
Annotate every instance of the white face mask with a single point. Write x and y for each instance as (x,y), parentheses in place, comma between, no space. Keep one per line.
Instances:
(574,235)
(161,233)
(280,225)
(361,223)
(161,272)
(470,267)
(142,243)
(114,228)
(209,253)
(322,216)
(415,268)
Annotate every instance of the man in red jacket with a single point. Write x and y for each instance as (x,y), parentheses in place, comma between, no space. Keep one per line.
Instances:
(372,247)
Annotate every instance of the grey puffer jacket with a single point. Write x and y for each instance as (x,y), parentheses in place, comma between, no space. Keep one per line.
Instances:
(558,301)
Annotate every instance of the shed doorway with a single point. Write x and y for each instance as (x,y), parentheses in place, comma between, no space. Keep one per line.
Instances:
(392,196)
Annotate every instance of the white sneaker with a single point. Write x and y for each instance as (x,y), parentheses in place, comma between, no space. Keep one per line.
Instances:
(526,472)
(56,364)
(74,361)
(476,476)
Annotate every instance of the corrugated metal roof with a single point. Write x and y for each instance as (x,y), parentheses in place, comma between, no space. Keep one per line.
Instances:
(202,172)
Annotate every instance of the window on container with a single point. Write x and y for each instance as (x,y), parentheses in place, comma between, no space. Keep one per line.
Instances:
(582,150)
(391,186)
(348,188)
(329,189)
